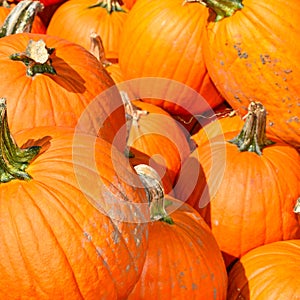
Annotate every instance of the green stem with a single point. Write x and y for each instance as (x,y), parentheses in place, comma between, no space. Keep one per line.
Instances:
(252,137)
(13,160)
(222,8)
(155,193)
(21,17)
(36,58)
(110,5)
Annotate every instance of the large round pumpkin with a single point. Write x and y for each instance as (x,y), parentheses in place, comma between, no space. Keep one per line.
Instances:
(163,39)
(72,221)
(75,20)
(252,56)
(267,272)
(77,87)
(253,188)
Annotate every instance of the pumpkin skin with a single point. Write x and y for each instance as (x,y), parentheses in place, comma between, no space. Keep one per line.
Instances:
(244,70)
(183,259)
(37,25)
(64,99)
(163,39)
(54,243)
(159,136)
(97,19)
(251,197)
(267,272)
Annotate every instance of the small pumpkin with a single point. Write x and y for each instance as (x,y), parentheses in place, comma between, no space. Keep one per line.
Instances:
(72,222)
(268,71)
(267,272)
(55,82)
(105,17)
(183,259)
(253,184)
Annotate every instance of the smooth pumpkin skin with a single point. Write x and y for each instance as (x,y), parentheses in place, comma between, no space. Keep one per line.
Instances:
(183,259)
(252,56)
(163,39)
(267,272)
(65,99)
(251,197)
(54,243)
(108,25)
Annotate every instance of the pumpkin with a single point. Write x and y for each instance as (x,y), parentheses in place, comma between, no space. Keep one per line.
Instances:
(72,216)
(66,86)
(163,39)
(22,17)
(154,132)
(267,272)
(103,17)
(183,259)
(253,183)
(129,3)
(267,71)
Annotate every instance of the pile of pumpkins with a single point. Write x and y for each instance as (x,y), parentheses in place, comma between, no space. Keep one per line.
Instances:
(149,149)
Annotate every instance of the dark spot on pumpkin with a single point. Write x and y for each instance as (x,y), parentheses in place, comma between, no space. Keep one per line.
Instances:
(288,71)
(239,52)
(194,286)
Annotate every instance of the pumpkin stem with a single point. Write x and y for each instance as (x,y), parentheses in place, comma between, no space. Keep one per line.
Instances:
(4,3)
(252,137)
(155,193)
(13,160)
(222,8)
(36,58)
(132,115)
(97,49)
(109,5)
(21,18)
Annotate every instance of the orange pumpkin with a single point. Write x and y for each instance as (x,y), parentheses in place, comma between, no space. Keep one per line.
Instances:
(267,71)
(72,216)
(76,91)
(183,260)
(252,186)
(267,272)
(163,39)
(103,17)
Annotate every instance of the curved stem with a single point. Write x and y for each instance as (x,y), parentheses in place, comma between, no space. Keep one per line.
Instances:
(97,49)
(155,193)
(222,8)
(109,5)
(252,137)
(21,17)
(13,160)
(36,58)
(5,3)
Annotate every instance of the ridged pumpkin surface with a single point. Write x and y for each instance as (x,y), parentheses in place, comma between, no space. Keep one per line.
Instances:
(267,272)
(63,98)
(54,243)
(253,56)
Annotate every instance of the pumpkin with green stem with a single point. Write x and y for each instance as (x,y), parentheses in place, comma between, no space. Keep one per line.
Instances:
(183,259)
(55,82)
(251,55)
(73,224)
(105,17)
(253,188)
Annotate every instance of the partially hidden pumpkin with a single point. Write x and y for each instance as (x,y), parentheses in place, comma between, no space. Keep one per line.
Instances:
(267,272)
(163,39)
(183,259)
(251,55)
(73,223)
(105,17)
